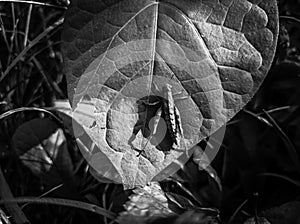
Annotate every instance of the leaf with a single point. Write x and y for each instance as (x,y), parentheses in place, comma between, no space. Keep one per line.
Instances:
(144,204)
(214,54)
(150,205)
(42,147)
(287,213)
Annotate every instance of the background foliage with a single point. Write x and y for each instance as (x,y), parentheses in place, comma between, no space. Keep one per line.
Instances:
(256,172)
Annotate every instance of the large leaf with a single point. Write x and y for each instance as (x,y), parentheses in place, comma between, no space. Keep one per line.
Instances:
(214,54)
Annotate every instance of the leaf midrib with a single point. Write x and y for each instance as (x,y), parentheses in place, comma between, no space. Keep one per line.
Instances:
(115,35)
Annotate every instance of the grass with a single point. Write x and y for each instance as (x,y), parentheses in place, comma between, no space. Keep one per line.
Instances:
(259,154)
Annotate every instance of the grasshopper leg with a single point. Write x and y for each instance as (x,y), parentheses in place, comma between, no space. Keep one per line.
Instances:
(157,117)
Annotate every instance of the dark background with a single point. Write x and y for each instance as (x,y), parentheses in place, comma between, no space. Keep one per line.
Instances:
(257,165)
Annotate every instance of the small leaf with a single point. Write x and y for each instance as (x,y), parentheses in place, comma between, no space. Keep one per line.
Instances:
(144,204)
(42,147)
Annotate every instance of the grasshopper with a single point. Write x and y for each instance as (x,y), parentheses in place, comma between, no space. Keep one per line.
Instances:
(171,116)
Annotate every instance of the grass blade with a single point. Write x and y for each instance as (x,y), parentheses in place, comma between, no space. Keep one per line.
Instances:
(237,211)
(13,208)
(27,25)
(290,18)
(44,194)
(290,147)
(4,32)
(35,3)
(30,45)
(22,109)
(63,202)
(258,117)
(295,182)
